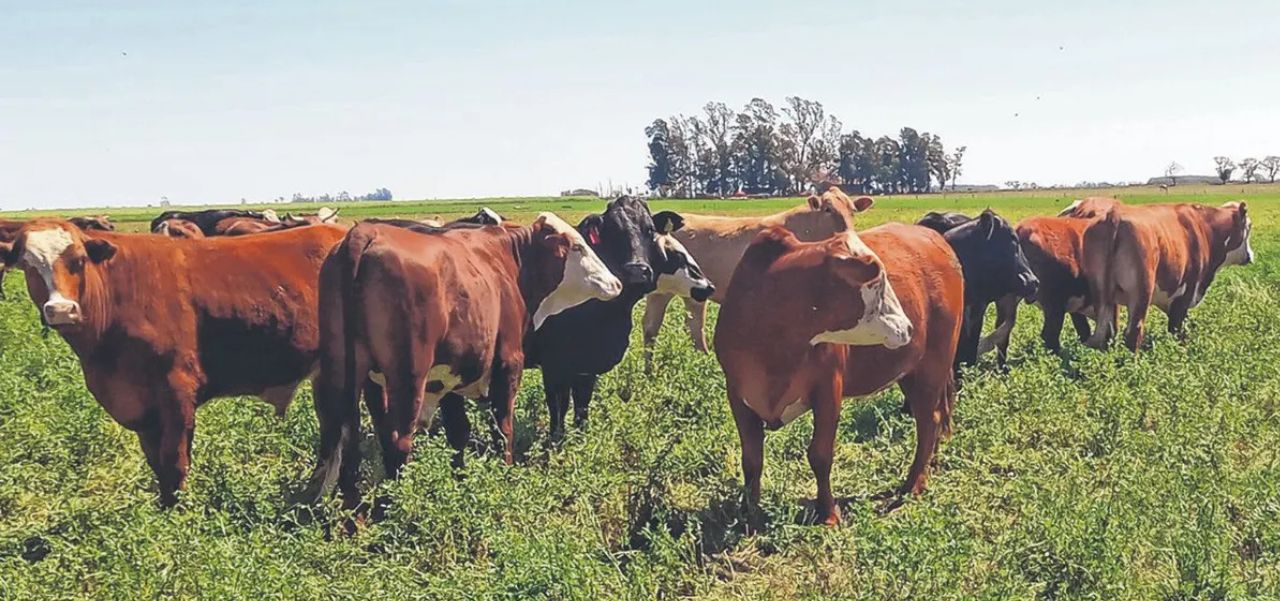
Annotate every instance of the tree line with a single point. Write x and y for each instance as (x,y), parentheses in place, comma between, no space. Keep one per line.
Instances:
(1248,167)
(764,150)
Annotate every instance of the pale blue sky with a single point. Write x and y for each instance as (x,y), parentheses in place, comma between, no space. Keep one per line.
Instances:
(121,102)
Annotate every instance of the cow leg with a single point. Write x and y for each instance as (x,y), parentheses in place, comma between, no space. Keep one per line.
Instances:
(1051,332)
(337,411)
(655,310)
(503,387)
(826,400)
(1081,324)
(1178,316)
(557,387)
(751,435)
(1137,322)
(457,427)
(970,332)
(405,396)
(584,386)
(167,444)
(696,322)
(931,397)
(1006,317)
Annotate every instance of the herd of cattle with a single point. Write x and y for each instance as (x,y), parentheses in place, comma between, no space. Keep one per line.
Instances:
(413,317)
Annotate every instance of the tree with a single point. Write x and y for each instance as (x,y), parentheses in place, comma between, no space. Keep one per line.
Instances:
(659,156)
(807,119)
(1249,166)
(1225,167)
(1271,165)
(956,164)
(937,159)
(1172,172)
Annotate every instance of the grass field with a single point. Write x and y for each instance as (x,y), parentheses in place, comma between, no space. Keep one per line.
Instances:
(1090,476)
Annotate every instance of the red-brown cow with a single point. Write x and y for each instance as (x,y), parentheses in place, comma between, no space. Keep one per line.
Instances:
(436,317)
(1166,255)
(163,325)
(1054,247)
(895,293)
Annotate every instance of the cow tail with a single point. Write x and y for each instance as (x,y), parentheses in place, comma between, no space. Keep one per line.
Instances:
(947,405)
(1101,246)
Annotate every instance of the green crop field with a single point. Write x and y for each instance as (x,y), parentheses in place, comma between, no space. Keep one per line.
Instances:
(1088,476)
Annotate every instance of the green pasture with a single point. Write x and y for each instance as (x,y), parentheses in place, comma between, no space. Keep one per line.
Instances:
(1094,475)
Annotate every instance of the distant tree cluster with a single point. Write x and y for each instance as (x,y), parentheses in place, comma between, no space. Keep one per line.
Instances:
(762,150)
(343,196)
(1249,168)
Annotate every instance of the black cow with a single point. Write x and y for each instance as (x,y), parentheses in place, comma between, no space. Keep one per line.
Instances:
(485,216)
(575,347)
(993,265)
(206,220)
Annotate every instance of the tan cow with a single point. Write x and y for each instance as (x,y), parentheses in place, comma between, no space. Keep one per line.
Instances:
(717,244)
(1162,255)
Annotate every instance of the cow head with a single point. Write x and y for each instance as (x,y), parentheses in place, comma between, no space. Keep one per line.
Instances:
(178,228)
(839,207)
(1239,251)
(991,257)
(857,301)
(942,222)
(567,269)
(626,239)
(100,223)
(678,273)
(56,256)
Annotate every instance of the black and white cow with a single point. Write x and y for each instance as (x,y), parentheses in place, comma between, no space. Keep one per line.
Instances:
(575,347)
(993,265)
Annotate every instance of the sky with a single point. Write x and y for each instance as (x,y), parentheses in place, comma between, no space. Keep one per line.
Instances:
(123,102)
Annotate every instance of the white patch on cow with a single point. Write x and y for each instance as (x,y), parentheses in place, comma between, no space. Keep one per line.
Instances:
(270,216)
(585,275)
(491,215)
(1071,207)
(794,410)
(378,378)
(442,378)
(682,283)
(883,322)
(43,249)
(1242,254)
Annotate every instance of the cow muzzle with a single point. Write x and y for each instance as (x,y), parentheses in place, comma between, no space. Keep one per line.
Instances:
(1028,285)
(703,293)
(62,312)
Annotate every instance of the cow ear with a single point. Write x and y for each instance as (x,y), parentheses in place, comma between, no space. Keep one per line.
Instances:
(815,203)
(590,229)
(668,221)
(987,223)
(857,269)
(1244,210)
(862,203)
(99,250)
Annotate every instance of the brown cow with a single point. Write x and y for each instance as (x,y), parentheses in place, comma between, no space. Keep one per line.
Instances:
(179,228)
(1054,247)
(436,317)
(717,243)
(1166,255)
(163,325)
(1091,207)
(793,309)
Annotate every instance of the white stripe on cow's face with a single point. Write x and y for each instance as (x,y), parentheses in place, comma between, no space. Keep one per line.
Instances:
(682,282)
(1242,254)
(585,275)
(44,248)
(883,321)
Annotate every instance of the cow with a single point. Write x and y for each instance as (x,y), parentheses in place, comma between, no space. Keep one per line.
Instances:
(1162,255)
(434,318)
(717,243)
(806,324)
(101,223)
(161,326)
(179,228)
(994,266)
(485,216)
(1054,247)
(207,220)
(1091,207)
(576,347)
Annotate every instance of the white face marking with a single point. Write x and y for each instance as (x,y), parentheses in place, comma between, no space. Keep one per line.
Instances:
(883,322)
(1243,254)
(681,283)
(585,275)
(491,214)
(43,249)
(1071,207)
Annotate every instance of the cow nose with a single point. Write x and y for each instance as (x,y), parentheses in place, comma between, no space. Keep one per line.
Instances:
(1030,284)
(637,273)
(704,293)
(61,312)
